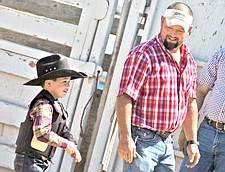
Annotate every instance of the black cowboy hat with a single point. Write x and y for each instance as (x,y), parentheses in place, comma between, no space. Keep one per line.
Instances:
(52,67)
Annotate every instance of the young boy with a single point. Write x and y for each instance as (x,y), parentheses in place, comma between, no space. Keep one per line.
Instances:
(45,126)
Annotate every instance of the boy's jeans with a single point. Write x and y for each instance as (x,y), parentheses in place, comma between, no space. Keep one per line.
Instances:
(212,150)
(152,153)
(29,163)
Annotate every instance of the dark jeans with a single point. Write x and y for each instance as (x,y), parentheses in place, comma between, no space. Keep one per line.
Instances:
(29,163)
(212,150)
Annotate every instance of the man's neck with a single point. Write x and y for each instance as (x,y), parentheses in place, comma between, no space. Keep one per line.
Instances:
(176,56)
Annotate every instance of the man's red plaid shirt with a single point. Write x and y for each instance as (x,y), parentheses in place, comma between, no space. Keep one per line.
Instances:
(159,87)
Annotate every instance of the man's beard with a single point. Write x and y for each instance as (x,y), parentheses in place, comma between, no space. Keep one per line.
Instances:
(170,46)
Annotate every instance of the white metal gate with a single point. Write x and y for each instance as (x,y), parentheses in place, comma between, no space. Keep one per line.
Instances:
(87,40)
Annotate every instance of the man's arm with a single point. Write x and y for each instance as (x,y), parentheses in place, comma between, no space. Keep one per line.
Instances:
(189,126)
(202,91)
(123,112)
(190,129)
(191,121)
(127,148)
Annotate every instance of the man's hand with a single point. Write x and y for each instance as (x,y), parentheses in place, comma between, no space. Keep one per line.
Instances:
(182,142)
(72,150)
(193,154)
(127,149)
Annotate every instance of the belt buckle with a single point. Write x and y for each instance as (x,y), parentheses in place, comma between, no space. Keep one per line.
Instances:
(219,127)
(164,134)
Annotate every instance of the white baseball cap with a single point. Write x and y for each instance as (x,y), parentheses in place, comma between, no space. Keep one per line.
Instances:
(178,17)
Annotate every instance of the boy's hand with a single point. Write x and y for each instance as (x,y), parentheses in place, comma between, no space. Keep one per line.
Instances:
(76,155)
(72,150)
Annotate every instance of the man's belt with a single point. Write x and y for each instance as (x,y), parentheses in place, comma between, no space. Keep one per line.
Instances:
(216,124)
(163,134)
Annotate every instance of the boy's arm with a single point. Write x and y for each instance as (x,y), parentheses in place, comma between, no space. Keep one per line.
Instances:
(67,135)
(42,115)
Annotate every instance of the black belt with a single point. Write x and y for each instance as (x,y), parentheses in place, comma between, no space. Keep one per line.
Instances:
(216,124)
(35,156)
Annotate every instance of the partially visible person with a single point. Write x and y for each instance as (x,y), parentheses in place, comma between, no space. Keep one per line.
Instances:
(157,95)
(44,128)
(211,132)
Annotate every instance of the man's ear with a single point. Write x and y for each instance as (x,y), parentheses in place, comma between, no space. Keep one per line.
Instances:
(190,29)
(162,19)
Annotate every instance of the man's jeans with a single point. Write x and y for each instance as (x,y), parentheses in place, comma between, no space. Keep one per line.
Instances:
(212,150)
(152,153)
(29,163)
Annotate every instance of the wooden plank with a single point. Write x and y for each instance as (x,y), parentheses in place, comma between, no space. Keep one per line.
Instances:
(5,137)
(9,37)
(15,92)
(15,48)
(12,114)
(38,26)
(6,161)
(25,65)
(77,3)
(59,10)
